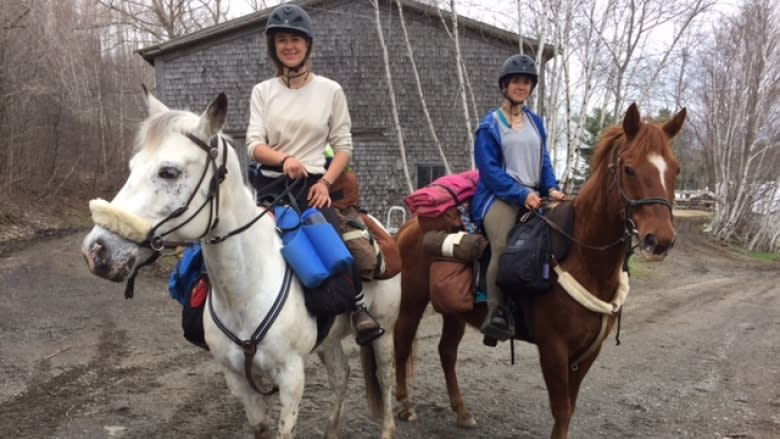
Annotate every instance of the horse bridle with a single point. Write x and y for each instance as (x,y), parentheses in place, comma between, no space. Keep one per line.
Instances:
(156,240)
(629,227)
(630,203)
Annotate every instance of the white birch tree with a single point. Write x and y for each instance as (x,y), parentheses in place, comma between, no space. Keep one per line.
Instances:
(738,92)
(391,94)
(420,92)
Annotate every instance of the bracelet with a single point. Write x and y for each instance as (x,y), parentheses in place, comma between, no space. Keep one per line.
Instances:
(281,165)
(325,182)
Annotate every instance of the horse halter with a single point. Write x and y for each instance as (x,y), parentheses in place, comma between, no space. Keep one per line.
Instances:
(155,240)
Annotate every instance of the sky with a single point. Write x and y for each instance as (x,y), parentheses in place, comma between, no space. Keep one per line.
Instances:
(501,13)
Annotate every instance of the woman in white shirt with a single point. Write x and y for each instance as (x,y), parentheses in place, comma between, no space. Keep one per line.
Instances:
(292,119)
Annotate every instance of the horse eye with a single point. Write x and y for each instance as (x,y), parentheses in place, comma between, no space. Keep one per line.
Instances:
(168,173)
(629,171)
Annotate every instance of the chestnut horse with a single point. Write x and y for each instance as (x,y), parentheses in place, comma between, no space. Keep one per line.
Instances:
(628,196)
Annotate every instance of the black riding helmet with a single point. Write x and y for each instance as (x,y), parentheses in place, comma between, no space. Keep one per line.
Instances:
(288,18)
(518,65)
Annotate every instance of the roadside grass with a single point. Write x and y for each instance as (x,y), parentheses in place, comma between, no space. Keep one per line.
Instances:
(640,269)
(8,217)
(759,256)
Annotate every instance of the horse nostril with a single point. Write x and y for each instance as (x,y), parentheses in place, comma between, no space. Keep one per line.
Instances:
(650,241)
(97,258)
(651,245)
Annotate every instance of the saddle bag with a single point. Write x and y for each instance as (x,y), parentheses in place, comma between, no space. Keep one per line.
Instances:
(336,295)
(451,285)
(449,221)
(465,247)
(192,313)
(189,285)
(373,250)
(390,263)
(524,267)
(359,241)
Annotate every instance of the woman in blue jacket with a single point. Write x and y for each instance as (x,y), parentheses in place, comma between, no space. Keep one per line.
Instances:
(515,171)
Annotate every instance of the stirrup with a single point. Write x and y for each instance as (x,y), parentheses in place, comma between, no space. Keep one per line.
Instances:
(369,335)
(491,329)
(366,335)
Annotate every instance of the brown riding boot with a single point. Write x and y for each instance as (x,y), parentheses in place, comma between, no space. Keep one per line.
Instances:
(367,329)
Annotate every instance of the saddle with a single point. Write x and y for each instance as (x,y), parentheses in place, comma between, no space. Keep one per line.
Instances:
(562,215)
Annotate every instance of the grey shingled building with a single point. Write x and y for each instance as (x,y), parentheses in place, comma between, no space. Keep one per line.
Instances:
(231,57)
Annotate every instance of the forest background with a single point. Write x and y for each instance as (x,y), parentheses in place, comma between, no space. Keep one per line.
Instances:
(71,96)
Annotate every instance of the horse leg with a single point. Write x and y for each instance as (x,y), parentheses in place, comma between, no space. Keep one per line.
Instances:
(452,332)
(338,372)
(555,369)
(403,335)
(575,379)
(290,380)
(254,405)
(383,354)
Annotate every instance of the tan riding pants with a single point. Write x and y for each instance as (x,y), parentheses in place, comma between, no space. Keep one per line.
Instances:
(497,224)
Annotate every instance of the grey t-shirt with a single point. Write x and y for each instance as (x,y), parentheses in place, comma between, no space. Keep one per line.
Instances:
(522,151)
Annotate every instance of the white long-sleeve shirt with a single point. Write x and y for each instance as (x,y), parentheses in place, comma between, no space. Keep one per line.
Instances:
(300,122)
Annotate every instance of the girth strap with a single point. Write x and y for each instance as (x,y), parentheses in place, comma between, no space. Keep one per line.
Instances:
(249,346)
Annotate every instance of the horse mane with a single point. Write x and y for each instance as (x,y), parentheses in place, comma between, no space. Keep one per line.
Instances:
(156,127)
(601,155)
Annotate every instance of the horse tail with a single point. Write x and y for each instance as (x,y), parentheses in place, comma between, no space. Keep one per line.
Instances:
(374,395)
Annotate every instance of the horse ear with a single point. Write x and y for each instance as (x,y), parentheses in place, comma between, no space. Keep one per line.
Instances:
(631,121)
(214,117)
(673,126)
(153,105)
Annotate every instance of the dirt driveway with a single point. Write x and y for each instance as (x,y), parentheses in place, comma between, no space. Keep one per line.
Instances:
(699,359)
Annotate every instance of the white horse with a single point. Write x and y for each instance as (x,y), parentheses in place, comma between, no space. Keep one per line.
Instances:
(178,190)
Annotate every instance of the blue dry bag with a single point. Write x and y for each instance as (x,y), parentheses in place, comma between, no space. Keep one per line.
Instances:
(186,273)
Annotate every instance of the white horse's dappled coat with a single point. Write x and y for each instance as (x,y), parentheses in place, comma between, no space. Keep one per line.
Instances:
(246,270)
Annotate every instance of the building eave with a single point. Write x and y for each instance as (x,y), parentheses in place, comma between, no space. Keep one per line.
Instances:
(150,53)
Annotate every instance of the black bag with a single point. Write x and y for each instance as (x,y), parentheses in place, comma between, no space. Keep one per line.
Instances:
(192,312)
(525,265)
(334,296)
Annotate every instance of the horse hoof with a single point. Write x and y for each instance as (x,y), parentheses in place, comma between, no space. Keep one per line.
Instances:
(466,421)
(407,414)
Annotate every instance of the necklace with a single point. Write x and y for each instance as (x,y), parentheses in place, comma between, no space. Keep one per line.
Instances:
(512,113)
(515,122)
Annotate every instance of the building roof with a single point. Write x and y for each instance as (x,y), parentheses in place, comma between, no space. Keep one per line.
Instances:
(257,20)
